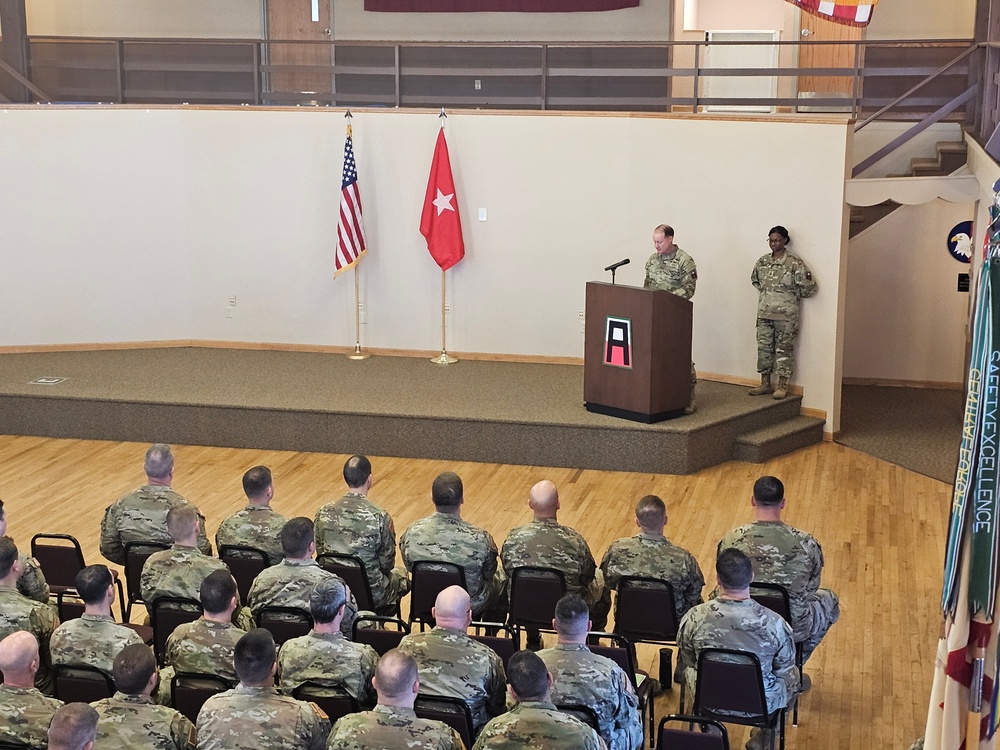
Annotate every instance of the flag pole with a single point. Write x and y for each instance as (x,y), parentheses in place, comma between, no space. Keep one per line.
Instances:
(357,354)
(443,358)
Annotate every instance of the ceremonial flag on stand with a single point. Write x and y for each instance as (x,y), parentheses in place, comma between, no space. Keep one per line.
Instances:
(963,705)
(846,12)
(350,229)
(440,223)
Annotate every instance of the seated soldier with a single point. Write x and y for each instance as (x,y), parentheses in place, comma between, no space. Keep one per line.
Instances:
(256,525)
(324,655)
(18,612)
(290,582)
(94,638)
(393,725)
(582,678)
(254,714)
(141,516)
(24,711)
(130,718)
(735,621)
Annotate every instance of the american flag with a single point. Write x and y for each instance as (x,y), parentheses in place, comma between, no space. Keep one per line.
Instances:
(846,12)
(350,230)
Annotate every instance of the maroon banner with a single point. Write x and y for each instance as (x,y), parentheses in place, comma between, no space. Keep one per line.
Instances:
(502,6)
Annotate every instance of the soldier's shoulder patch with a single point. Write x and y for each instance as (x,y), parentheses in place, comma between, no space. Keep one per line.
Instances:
(34,561)
(319,711)
(191,743)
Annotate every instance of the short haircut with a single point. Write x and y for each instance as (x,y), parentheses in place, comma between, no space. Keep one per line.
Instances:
(8,554)
(572,614)
(92,583)
(768,491)
(72,727)
(133,667)
(447,490)
(651,511)
(527,674)
(326,599)
(668,231)
(159,461)
(296,536)
(217,590)
(256,481)
(734,569)
(180,519)
(395,673)
(254,656)
(357,469)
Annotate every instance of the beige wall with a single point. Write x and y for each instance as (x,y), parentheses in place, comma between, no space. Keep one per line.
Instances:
(186,207)
(205,19)
(923,19)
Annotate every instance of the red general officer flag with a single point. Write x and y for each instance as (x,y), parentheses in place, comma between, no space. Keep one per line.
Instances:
(440,224)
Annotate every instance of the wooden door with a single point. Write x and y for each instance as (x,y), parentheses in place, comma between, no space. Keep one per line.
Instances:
(815,29)
(309,66)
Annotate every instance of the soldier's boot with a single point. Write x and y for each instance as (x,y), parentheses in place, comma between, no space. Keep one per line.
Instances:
(765,385)
(534,640)
(760,739)
(782,390)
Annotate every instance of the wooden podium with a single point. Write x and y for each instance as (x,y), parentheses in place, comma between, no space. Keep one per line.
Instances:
(637,352)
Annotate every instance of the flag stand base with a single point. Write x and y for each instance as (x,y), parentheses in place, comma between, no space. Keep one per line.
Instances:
(359,355)
(444,359)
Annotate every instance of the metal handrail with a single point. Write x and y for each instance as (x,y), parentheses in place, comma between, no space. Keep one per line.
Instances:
(24,81)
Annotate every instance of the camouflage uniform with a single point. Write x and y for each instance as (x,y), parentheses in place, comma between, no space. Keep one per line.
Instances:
(788,557)
(178,571)
(260,718)
(743,626)
(289,583)
(537,724)
(547,544)
(92,640)
(25,715)
(141,516)
(201,646)
(583,678)
(448,538)
(453,665)
(254,526)
(782,282)
(31,583)
(18,612)
(134,721)
(654,556)
(675,273)
(392,728)
(355,526)
(331,659)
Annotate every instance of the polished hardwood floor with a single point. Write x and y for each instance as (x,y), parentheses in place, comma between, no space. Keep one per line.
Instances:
(882,530)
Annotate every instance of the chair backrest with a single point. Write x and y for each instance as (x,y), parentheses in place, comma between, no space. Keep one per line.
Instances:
(774,597)
(168,613)
(644,610)
(285,623)
(674,735)
(489,634)
(352,570)
(619,649)
(190,690)
(245,563)
(380,637)
(428,579)
(730,687)
(533,596)
(452,711)
(334,706)
(81,683)
(69,605)
(136,554)
(584,713)
(11,745)
(60,557)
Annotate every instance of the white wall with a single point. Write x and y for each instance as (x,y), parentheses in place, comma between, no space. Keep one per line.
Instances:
(137,224)
(204,19)
(905,319)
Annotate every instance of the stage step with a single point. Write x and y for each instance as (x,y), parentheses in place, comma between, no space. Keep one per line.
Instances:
(777,439)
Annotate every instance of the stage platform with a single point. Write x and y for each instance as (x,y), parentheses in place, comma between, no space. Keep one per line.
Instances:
(496,412)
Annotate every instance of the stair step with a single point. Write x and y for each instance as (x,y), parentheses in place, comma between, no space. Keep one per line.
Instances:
(777,439)
(953,147)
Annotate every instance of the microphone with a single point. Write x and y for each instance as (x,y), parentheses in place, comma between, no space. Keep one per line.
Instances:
(620,263)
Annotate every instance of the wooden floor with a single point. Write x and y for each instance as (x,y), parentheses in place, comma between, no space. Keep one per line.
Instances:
(882,530)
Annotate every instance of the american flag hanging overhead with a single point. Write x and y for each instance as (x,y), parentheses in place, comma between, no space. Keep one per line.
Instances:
(350,229)
(847,12)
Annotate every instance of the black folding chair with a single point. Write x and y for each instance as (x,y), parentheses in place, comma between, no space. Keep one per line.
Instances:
(622,652)
(168,613)
(136,554)
(352,571)
(379,636)
(245,563)
(428,579)
(533,596)
(341,703)
(285,623)
(776,599)
(489,633)
(584,713)
(81,683)
(61,558)
(452,711)
(689,737)
(190,690)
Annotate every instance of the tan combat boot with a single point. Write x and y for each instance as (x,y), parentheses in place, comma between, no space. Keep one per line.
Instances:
(692,407)
(765,385)
(782,390)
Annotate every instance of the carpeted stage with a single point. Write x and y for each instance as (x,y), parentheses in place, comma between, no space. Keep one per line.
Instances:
(497,412)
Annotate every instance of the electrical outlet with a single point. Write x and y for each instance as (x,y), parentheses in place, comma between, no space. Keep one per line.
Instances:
(583,321)
(362,313)
(232,300)
(447,309)
(229,312)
